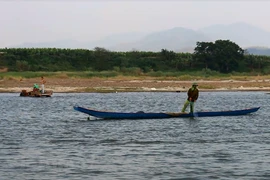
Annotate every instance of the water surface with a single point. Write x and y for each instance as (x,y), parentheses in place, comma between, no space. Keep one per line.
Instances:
(44,138)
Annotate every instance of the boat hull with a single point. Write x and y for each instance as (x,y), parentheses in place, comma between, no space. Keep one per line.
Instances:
(142,115)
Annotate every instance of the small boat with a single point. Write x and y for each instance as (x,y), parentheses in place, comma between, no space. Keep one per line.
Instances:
(36,93)
(150,115)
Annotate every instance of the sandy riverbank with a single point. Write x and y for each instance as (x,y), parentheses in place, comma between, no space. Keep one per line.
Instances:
(131,85)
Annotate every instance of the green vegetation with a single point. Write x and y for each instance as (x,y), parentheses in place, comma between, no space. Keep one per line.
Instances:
(221,58)
(159,75)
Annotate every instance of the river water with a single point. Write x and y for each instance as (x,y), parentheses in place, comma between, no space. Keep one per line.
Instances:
(44,138)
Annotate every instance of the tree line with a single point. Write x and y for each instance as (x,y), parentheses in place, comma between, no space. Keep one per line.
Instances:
(223,56)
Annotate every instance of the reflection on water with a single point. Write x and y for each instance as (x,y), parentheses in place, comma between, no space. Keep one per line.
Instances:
(44,138)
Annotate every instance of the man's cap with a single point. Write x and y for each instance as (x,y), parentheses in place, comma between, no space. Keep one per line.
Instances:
(194,84)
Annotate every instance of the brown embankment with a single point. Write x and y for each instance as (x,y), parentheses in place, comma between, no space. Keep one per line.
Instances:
(131,85)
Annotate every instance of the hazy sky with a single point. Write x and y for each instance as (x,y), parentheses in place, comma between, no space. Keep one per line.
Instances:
(87,20)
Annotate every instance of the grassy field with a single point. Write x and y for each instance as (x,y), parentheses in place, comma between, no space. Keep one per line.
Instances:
(180,76)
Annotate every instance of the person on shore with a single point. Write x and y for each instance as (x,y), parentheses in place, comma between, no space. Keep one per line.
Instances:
(42,82)
(193,94)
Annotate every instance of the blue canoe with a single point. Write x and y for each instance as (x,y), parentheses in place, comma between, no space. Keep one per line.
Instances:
(144,115)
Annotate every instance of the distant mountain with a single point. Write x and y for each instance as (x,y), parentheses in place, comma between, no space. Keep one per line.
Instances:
(121,38)
(73,44)
(243,34)
(51,44)
(177,39)
(259,51)
(173,39)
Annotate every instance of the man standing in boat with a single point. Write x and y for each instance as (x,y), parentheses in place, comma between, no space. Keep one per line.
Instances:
(193,94)
(42,81)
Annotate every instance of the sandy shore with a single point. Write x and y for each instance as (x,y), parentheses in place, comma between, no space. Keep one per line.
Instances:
(131,85)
